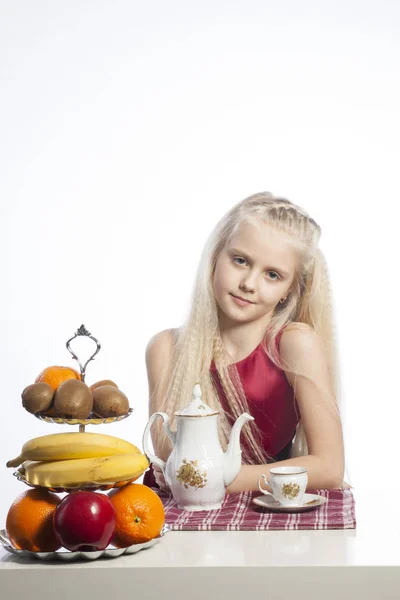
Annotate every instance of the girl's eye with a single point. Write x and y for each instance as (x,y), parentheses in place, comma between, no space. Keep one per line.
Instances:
(236,258)
(275,273)
(239,258)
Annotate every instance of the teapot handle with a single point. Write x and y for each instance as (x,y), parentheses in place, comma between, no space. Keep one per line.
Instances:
(146,435)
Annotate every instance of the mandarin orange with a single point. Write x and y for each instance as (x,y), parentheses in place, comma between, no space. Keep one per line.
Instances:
(56,375)
(139,514)
(29,522)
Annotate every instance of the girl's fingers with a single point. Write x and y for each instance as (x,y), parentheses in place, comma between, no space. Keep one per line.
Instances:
(159,477)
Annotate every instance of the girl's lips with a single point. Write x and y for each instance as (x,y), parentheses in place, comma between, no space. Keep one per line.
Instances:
(240,301)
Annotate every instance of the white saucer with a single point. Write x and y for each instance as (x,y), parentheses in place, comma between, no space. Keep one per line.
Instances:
(309,502)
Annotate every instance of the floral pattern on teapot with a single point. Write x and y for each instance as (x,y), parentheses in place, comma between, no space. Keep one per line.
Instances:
(188,475)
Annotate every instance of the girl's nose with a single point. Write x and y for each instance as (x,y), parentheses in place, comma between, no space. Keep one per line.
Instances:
(248,285)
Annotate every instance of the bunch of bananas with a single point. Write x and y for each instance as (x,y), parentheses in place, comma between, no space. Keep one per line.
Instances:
(78,459)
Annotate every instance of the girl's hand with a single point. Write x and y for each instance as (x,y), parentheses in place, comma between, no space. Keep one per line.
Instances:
(159,477)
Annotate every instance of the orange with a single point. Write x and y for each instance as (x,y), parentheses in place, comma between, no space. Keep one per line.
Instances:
(55,376)
(139,514)
(29,522)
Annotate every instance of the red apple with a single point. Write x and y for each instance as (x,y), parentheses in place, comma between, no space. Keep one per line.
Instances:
(84,521)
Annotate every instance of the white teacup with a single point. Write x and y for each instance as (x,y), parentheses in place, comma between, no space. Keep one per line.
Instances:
(287,484)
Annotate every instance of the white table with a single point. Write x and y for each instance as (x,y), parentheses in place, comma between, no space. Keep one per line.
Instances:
(363,563)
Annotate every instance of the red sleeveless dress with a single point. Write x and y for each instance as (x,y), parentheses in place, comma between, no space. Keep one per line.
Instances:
(270,400)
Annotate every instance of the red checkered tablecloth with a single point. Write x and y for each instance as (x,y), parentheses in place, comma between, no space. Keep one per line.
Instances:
(238,512)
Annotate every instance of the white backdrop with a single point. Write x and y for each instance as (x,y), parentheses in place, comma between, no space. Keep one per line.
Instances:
(128,129)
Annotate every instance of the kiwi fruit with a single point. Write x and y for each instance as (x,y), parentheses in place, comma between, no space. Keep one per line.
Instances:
(109,401)
(102,382)
(37,397)
(51,412)
(73,400)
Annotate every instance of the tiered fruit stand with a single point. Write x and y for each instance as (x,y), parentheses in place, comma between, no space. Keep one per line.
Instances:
(63,553)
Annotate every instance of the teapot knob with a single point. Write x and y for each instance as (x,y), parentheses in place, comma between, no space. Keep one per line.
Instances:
(197,392)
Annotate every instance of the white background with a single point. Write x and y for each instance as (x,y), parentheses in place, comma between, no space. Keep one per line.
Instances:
(129,128)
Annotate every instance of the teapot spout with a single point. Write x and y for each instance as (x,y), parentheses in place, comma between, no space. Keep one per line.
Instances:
(233,455)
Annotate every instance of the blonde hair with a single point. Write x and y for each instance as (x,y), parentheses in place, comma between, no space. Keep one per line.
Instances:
(198,341)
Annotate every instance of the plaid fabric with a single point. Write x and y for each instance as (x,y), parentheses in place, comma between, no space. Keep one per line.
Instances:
(239,513)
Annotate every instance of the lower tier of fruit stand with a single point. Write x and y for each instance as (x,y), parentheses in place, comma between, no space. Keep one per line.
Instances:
(302,564)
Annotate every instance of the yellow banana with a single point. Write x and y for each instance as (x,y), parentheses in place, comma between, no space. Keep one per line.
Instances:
(65,446)
(85,471)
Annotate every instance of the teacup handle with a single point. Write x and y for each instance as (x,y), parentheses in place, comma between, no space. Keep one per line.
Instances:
(267,493)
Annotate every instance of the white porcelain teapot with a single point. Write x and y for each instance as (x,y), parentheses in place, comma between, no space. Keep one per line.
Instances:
(197,470)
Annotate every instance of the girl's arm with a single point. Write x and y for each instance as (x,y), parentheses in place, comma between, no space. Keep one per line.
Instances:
(158,356)
(302,350)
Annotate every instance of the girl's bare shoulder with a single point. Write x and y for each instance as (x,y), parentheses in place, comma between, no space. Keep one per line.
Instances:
(158,362)
(162,340)
(298,337)
(160,345)
(299,346)
(296,326)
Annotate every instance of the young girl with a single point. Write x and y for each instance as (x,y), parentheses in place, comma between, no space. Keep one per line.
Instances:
(258,338)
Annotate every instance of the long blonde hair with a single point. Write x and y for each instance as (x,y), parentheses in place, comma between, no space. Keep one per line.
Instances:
(198,341)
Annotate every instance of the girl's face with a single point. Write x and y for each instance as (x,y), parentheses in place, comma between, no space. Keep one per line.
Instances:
(257,265)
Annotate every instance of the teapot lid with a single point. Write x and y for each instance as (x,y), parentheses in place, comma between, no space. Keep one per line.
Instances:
(197,408)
